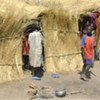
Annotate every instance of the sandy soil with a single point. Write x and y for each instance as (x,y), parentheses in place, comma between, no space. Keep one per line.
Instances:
(90,90)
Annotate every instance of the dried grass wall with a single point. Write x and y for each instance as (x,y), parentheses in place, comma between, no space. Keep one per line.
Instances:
(62,50)
(12,19)
(10,59)
(98,32)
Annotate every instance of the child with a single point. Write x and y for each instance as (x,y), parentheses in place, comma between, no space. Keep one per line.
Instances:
(25,52)
(87,46)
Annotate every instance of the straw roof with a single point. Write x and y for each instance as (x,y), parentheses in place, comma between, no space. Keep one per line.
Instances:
(14,15)
(18,12)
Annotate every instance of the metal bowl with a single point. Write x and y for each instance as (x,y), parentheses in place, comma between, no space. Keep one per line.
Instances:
(60,93)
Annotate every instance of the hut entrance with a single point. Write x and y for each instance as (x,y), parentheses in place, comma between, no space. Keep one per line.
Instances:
(33,49)
(83,23)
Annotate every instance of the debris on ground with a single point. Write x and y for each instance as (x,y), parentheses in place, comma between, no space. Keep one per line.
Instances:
(46,92)
(42,92)
(55,75)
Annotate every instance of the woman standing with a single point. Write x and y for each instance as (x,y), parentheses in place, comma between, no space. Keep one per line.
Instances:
(35,54)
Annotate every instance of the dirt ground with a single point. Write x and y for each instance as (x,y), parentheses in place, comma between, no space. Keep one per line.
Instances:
(90,90)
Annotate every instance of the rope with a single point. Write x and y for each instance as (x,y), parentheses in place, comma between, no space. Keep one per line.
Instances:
(64,55)
(9,38)
(10,64)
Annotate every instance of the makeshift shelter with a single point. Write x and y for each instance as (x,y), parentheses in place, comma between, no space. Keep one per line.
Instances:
(13,20)
(61,43)
(59,26)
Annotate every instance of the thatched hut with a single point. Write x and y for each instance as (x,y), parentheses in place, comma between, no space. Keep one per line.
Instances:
(13,20)
(62,52)
(61,43)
